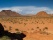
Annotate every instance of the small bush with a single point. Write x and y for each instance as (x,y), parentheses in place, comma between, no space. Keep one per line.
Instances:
(5,38)
(17,29)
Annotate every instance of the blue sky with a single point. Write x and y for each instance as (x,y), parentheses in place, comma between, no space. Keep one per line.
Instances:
(9,3)
(18,5)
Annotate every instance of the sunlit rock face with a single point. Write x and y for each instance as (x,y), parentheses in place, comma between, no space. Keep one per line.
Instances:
(42,14)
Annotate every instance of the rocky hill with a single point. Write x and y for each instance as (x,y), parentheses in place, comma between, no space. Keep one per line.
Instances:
(42,14)
(8,13)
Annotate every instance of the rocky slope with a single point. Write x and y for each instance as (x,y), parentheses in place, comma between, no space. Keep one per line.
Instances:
(42,14)
(8,13)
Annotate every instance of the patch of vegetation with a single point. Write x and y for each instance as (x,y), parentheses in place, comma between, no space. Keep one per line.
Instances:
(10,28)
(46,28)
(43,31)
(32,29)
(25,24)
(37,27)
(5,38)
(17,29)
(18,32)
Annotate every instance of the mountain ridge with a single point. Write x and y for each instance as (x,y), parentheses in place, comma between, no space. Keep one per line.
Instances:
(8,13)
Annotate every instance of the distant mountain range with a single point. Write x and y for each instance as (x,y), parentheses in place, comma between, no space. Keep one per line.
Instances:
(9,13)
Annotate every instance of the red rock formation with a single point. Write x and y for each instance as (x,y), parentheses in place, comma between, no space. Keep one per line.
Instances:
(42,14)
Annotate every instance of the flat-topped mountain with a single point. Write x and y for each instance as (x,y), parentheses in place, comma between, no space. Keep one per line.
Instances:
(8,13)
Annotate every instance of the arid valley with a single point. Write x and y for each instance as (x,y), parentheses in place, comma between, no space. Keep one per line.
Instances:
(26,19)
(35,27)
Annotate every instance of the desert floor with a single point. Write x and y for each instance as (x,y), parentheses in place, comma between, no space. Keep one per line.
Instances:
(35,28)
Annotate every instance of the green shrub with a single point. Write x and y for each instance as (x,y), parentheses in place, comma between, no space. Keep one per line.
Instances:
(5,38)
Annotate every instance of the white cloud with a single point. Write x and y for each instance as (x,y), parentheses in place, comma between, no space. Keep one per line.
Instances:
(28,9)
